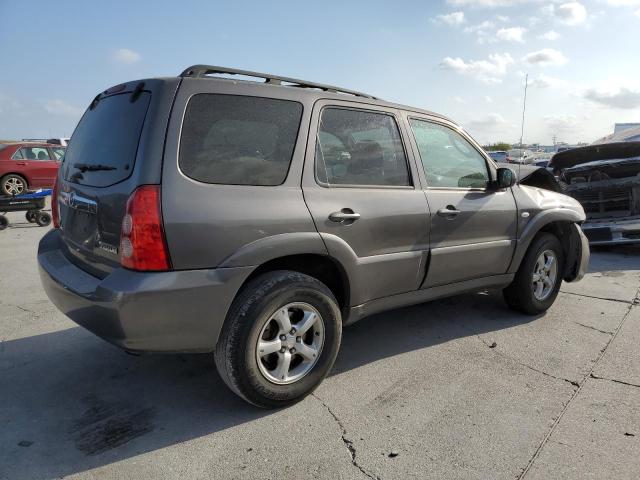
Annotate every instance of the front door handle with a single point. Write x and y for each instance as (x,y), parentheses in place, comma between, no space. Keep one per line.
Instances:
(344,215)
(449,212)
(21,163)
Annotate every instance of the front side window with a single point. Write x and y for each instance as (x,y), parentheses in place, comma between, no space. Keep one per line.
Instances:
(355,147)
(449,160)
(58,152)
(236,140)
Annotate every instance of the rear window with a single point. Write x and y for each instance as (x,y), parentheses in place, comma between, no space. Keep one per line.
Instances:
(236,140)
(105,141)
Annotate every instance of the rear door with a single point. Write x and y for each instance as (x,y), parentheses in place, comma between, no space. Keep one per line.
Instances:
(473,227)
(116,147)
(364,195)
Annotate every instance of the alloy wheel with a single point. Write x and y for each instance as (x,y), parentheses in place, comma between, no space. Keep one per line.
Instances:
(14,186)
(545,273)
(290,343)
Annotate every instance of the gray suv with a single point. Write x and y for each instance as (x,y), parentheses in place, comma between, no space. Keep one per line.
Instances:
(256,219)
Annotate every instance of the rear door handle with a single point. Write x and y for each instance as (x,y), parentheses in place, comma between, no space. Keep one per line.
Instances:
(449,212)
(21,163)
(346,214)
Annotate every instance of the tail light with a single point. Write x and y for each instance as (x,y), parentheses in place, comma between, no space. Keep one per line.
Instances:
(143,244)
(55,211)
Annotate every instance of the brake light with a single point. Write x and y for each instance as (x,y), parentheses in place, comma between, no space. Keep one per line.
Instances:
(55,211)
(142,241)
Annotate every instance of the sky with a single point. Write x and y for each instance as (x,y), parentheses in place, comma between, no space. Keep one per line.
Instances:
(466,59)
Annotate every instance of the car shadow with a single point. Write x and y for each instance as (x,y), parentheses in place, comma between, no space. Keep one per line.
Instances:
(614,258)
(70,402)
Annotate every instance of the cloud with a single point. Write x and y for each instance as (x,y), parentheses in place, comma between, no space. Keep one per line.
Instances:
(623,3)
(8,104)
(60,107)
(545,81)
(637,13)
(513,34)
(487,71)
(550,35)
(562,124)
(502,18)
(486,3)
(487,123)
(488,99)
(571,13)
(453,18)
(545,57)
(619,98)
(126,56)
(486,25)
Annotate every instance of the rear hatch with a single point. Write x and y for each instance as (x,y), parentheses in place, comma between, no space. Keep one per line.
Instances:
(116,147)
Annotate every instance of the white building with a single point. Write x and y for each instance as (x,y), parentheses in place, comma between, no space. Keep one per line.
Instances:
(622,132)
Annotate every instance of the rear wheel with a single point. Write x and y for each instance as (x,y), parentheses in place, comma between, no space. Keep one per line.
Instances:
(43,219)
(537,282)
(13,185)
(280,339)
(31,216)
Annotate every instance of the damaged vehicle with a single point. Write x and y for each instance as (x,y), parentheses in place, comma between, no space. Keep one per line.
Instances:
(605,179)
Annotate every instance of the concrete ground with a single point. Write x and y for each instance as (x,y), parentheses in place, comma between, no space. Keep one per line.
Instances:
(458,388)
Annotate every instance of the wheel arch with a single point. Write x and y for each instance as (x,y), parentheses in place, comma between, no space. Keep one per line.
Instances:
(322,267)
(19,174)
(562,223)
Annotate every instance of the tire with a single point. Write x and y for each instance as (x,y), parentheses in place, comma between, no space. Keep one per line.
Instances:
(43,219)
(256,314)
(521,294)
(13,185)
(31,216)
(4,222)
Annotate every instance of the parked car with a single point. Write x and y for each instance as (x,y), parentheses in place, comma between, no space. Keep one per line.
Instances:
(256,219)
(605,179)
(28,166)
(519,155)
(498,156)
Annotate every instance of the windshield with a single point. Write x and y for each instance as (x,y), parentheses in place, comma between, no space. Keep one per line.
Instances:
(107,136)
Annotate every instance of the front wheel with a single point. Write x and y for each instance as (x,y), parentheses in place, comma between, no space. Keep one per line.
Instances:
(537,282)
(280,339)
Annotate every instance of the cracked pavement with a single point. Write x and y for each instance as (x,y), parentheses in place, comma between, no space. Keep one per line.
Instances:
(457,388)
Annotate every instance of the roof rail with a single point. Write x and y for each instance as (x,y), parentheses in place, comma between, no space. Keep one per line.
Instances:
(199,71)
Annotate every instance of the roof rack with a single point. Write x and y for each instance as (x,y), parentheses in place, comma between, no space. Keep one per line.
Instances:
(199,71)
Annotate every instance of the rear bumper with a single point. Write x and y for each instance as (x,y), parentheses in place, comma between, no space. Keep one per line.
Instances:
(612,232)
(178,311)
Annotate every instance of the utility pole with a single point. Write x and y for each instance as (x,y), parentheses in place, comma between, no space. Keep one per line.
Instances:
(524,106)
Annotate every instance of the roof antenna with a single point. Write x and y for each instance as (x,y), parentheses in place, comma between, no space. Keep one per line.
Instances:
(524,107)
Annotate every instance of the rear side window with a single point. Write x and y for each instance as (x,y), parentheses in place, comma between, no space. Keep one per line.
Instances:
(105,141)
(31,153)
(357,147)
(236,140)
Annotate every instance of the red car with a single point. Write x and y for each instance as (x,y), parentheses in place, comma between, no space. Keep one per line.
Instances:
(28,166)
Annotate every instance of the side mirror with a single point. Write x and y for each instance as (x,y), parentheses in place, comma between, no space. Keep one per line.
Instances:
(505,178)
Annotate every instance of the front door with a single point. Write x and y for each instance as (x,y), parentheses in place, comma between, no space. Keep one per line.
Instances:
(473,226)
(365,198)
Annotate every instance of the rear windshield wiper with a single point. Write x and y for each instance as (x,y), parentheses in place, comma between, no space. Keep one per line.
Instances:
(92,167)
